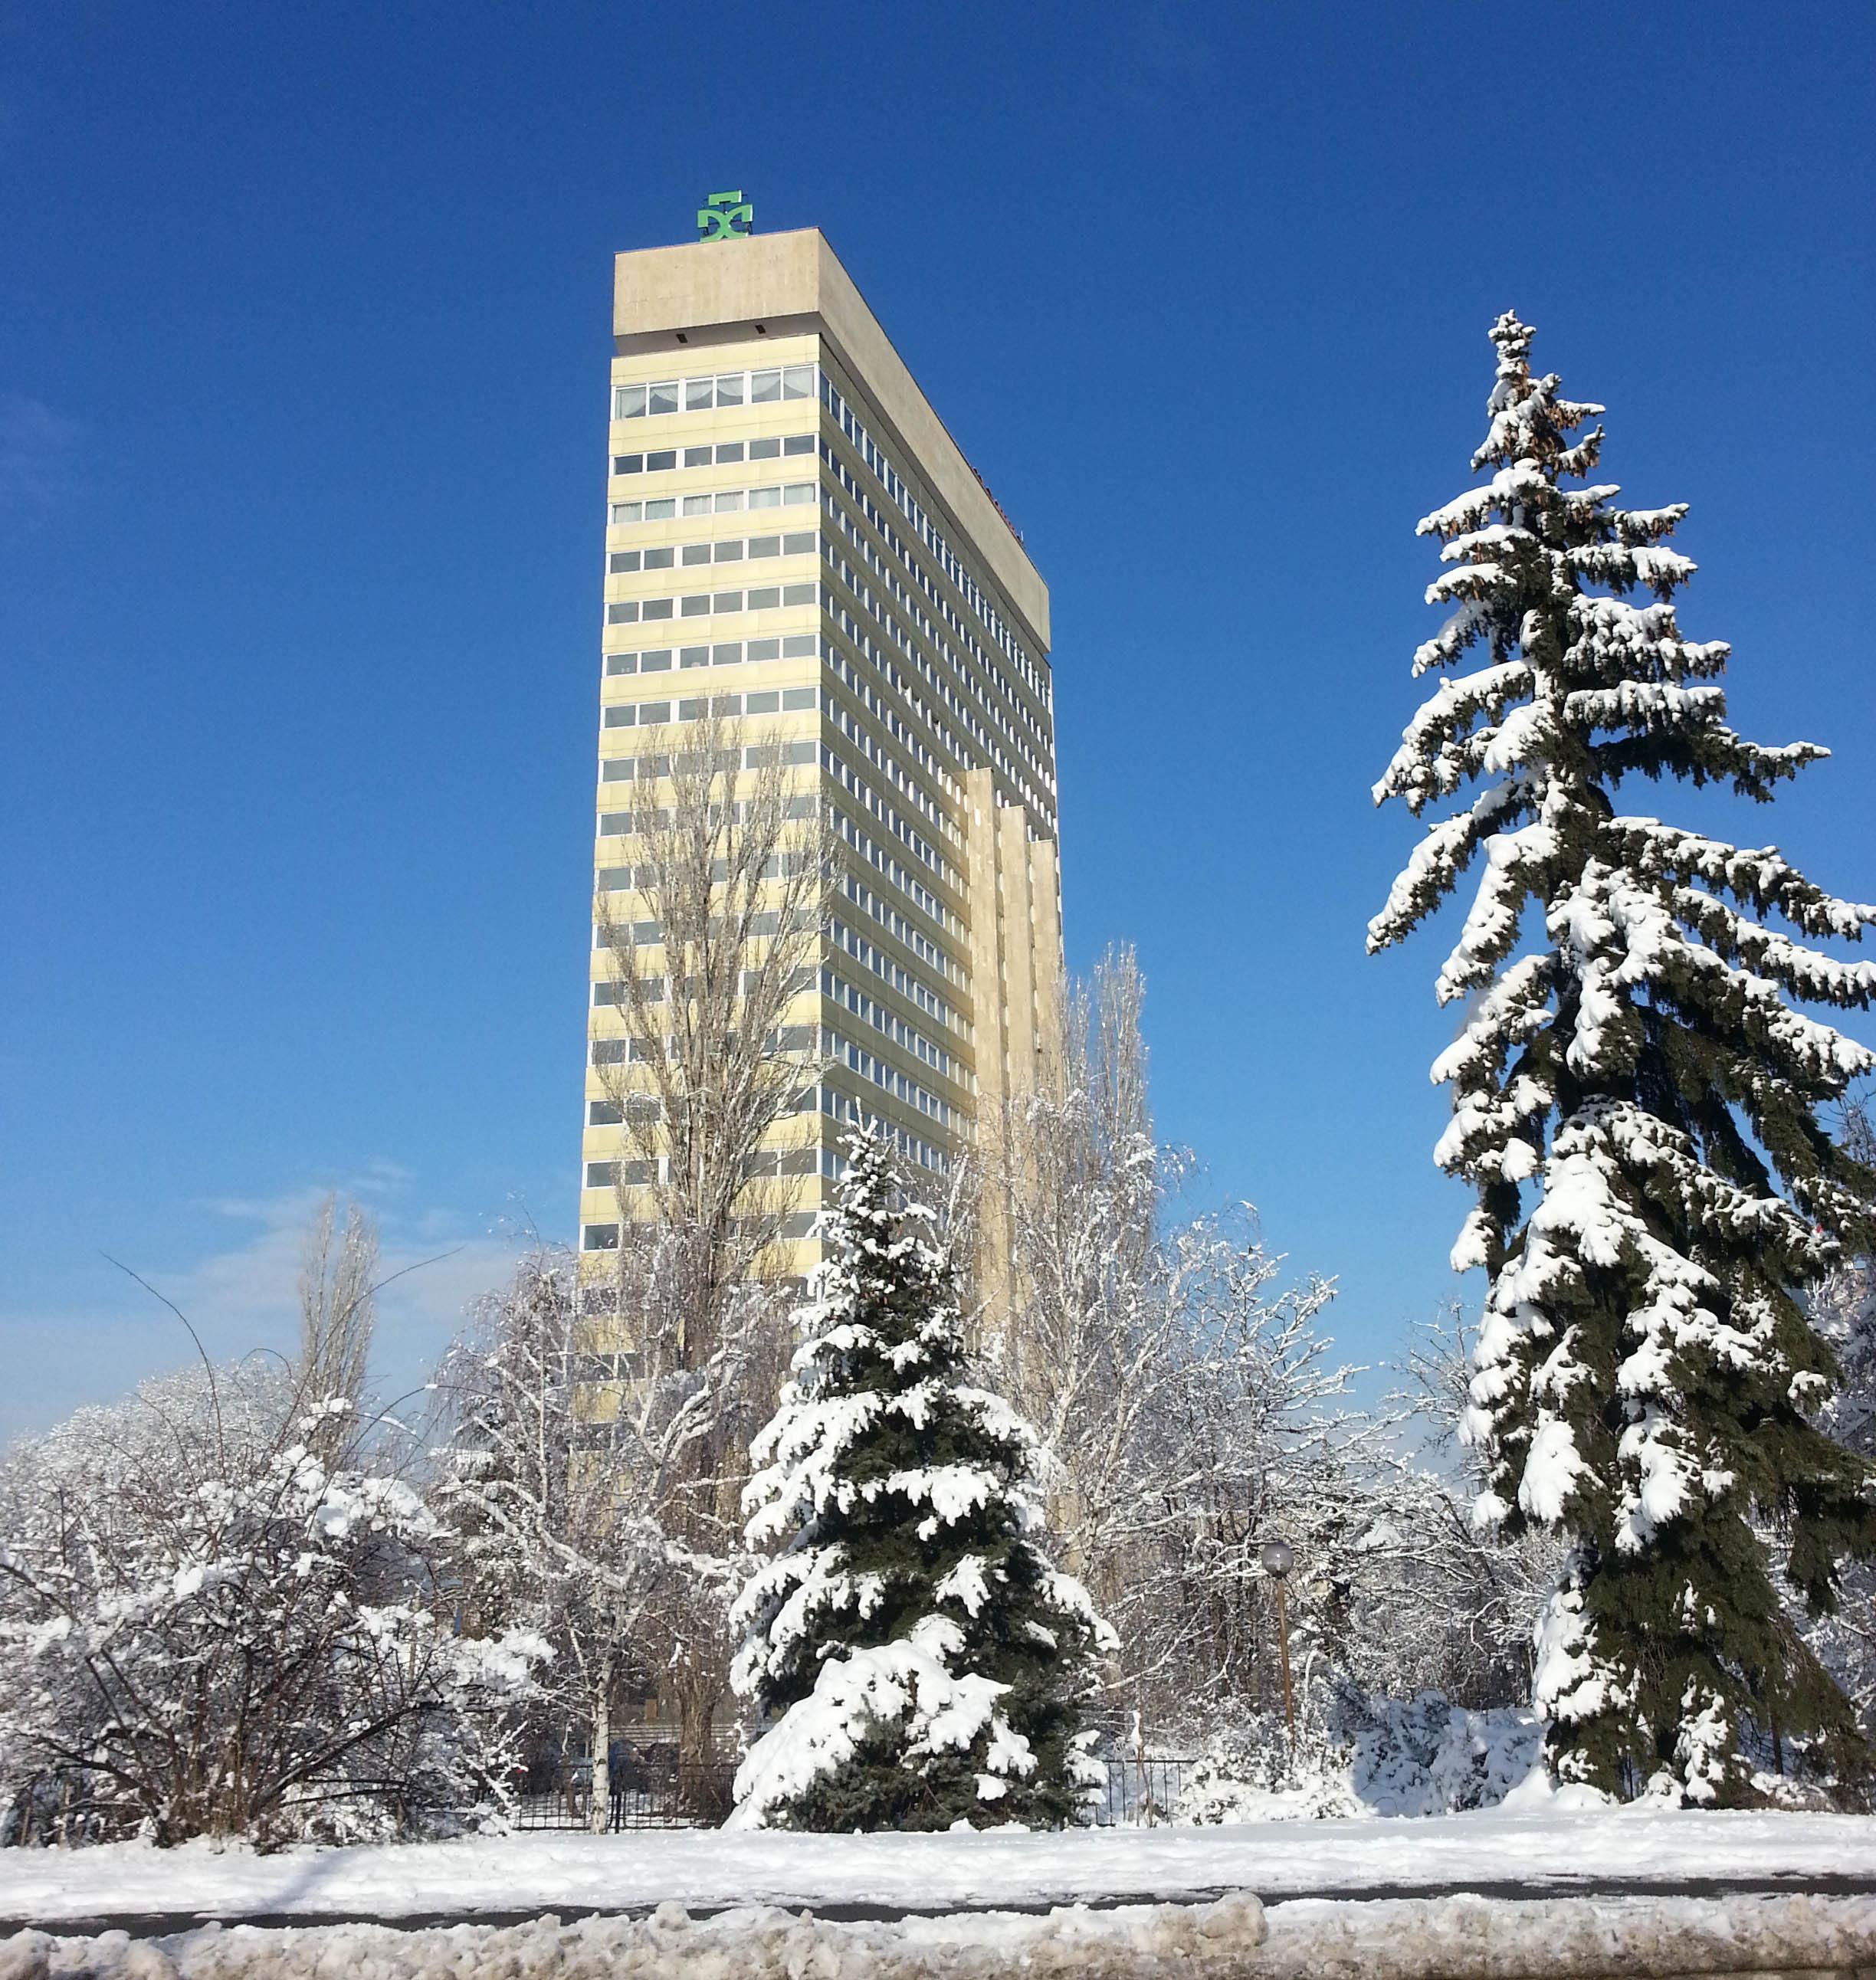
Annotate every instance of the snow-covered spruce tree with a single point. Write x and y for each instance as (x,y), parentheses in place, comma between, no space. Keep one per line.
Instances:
(1646,1378)
(927,1663)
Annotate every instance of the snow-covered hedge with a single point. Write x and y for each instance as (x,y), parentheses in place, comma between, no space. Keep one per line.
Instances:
(1380,1756)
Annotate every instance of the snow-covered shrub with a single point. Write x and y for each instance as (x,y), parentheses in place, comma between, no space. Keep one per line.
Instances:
(927,1664)
(217,1618)
(1247,1773)
(1423,1756)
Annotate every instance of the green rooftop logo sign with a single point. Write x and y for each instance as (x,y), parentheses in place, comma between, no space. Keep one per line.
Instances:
(728,216)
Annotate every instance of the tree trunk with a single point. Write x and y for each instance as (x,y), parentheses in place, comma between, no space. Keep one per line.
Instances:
(599,1811)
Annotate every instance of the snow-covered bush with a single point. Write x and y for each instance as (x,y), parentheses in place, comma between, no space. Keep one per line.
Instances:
(216,1618)
(1422,1756)
(927,1664)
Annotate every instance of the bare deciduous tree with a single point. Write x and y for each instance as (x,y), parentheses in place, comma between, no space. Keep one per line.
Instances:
(1450,1608)
(552,1500)
(1190,1408)
(1843,1309)
(337,1290)
(730,893)
(735,879)
(1091,1328)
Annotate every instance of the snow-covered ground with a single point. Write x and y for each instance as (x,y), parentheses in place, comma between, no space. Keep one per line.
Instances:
(707,1869)
(1452,1939)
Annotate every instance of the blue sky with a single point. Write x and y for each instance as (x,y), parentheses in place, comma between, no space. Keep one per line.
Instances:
(303,348)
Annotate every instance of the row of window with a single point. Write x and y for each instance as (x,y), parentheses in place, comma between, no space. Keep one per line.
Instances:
(725,454)
(882,813)
(812,1040)
(722,502)
(709,604)
(928,533)
(843,1051)
(801,1039)
(722,653)
(913,988)
(823,1100)
(657,818)
(842,1107)
(605,1237)
(883,760)
(609,992)
(717,390)
(797,543)
(764,1162)
(988,743)
(646,875)
(888,1024)
(614,1113)
(896,925)
(888,868)
(769,701)
(645,769)
(888,718)
(1008,716)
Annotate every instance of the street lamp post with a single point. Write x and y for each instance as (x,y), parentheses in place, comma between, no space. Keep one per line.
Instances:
(1277,1558)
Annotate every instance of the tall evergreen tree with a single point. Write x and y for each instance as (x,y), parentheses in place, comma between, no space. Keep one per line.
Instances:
(927,1662)
(1636,1103)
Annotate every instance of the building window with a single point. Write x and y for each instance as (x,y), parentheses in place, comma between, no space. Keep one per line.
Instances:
(600,1237)
(721,388)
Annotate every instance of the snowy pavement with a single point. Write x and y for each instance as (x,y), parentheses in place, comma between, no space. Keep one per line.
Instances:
(1544,1849)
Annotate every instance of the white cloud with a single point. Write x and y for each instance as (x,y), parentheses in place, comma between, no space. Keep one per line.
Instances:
(36,448)
(242,1296)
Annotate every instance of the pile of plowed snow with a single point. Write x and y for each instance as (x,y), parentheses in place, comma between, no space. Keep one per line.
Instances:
(1455,1938)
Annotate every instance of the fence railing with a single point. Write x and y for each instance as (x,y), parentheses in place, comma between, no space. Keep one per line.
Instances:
(697,1796)
(1137,1794)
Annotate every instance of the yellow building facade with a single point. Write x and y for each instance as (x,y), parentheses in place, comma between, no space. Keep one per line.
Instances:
(794,543)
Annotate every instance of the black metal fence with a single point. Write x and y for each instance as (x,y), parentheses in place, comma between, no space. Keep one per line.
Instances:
(1137,1794)
(641,1796)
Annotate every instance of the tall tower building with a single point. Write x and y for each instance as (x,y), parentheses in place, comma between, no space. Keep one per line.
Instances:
(794,542)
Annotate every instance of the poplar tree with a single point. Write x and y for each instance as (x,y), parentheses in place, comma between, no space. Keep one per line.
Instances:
(1636,1100)
(927,1662)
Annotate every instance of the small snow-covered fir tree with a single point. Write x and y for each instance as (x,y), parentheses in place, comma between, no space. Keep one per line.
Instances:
(927,1662)
(1637,1103)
